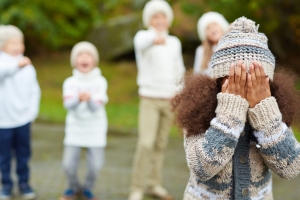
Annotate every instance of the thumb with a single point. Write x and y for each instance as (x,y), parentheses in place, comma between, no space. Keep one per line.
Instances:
(225,86)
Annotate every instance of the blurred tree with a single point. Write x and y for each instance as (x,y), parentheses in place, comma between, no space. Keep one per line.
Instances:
(279,20)
(52,24)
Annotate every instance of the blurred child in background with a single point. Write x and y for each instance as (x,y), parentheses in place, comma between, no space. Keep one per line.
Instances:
(160,68)
(211,27)
(85,97)
(19,105)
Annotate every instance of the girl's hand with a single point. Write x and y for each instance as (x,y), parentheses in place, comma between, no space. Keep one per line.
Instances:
(159,40)
(258,87)
(236,81)
(84,96)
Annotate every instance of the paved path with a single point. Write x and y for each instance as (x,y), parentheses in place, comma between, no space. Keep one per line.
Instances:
(113,183)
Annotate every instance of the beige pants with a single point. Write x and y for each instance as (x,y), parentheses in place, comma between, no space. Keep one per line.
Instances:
(155,120)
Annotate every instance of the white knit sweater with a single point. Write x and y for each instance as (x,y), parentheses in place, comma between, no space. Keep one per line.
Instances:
(160,67)
(199,59)
(19,92)
(86,122)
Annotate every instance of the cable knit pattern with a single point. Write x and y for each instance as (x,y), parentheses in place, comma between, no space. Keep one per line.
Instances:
(232,105)
(233,159)
(242,42)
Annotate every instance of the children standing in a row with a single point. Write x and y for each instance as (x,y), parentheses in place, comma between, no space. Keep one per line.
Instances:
(160,68)
(86,124)
(19,105)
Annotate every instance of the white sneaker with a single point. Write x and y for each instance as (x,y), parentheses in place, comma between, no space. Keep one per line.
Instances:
(159,192)
(137,195)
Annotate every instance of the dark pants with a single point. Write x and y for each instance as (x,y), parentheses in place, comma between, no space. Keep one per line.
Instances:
(15,142)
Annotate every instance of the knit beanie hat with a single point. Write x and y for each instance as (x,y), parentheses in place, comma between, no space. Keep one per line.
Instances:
(7,32)
(242,42)
(208,18)
(155,6)
(84,47)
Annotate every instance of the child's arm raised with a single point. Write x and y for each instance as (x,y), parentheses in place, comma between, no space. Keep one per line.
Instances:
(207,154)
(145,39)
(10,68)
(279,147)
(99,98)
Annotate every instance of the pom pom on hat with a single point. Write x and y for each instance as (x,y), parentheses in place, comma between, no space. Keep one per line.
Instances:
(242,42)
(7,32)
(208,18)
(84,47)
(155,6)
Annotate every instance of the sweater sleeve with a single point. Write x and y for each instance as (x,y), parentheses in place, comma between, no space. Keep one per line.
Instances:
(179,63)
(8,69)
(35,96)
(70,95)
(208,153)
(143,40)
(98,97)
(278,146)
(198,59)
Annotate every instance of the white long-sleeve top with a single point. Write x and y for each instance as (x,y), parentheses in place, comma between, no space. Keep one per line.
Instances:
(160,67)
(199,59)
(86,122)
(19,92)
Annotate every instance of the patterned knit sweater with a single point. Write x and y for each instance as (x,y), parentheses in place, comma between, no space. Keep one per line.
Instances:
(234,159)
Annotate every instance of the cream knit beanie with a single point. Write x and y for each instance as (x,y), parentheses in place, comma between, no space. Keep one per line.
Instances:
(242,42)
(154,6)
(84,47)
(7,32)
(208,18)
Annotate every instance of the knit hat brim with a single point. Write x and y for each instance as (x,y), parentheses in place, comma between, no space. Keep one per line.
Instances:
(7,32)
(156,6)
(208,18)
(83,47)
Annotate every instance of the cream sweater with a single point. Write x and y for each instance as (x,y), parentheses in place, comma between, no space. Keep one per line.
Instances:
(86,122)
(160,67)
(19,92)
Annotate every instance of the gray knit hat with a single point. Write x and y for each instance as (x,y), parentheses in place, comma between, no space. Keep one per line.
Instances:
(242,42)
(84,47)
(7,32)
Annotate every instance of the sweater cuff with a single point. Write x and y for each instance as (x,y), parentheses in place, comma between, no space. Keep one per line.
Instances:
(232,105)
(264,113)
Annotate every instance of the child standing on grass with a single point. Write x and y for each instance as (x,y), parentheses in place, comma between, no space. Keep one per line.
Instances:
(160,68)
(85,97)
(211,27)
(237,122)
(19,105)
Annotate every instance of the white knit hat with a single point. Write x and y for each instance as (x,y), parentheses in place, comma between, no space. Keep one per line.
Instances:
(155,6)
(7,32)
(84,47)
(208,18)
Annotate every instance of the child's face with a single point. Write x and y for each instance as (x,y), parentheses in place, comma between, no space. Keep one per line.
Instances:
(14,46)
(214,32)
(159,21)
(85,62)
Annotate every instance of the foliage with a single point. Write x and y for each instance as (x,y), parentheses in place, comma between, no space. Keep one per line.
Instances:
(279,19)
(57,24)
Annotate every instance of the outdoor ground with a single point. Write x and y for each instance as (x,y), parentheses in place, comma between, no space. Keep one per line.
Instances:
(114,180)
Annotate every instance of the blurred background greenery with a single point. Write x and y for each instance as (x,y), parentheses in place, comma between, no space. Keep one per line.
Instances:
(51,28)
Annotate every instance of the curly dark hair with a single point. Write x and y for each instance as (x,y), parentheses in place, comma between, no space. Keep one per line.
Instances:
(195,105)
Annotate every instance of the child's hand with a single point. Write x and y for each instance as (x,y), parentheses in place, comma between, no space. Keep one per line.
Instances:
(24,61)
(159,40)
(258,87)
(84,96)
(236,81)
